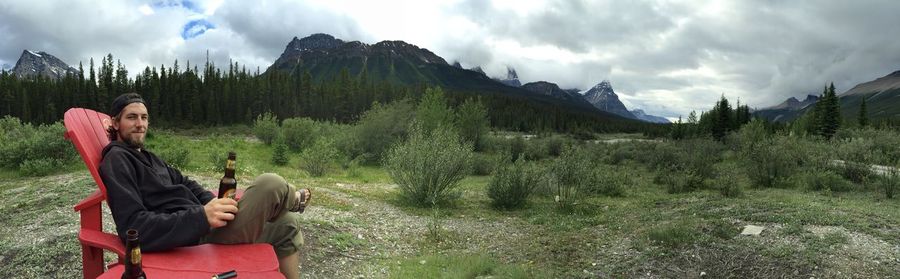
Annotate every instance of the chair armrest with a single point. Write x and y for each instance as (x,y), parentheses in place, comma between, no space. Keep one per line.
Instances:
(102,240)
(94,198)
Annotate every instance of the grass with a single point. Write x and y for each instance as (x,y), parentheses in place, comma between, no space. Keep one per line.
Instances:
(460,266)
(645,231)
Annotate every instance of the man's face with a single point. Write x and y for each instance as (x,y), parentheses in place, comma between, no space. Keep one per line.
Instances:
(132,125)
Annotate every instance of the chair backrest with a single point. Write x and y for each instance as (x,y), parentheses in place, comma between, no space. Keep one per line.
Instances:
(87,130)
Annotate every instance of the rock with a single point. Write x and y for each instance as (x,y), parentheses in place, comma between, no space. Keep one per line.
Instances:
(752,230)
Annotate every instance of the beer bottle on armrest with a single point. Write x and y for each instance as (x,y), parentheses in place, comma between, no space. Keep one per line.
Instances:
(133,267)
(228,184)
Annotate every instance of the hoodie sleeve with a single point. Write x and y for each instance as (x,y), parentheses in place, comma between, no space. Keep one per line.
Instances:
(158,230)
(201,193)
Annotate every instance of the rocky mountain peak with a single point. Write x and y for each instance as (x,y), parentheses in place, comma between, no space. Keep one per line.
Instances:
(33,64)
(324,49)
(477,69)
(512,79)
(603,96)
(314,41)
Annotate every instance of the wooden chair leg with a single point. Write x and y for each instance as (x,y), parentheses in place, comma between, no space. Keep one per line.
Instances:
(91,261)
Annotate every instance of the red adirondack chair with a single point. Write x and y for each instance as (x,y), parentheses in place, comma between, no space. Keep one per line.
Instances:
(87,131)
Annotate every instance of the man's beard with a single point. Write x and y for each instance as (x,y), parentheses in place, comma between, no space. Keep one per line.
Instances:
(131,143)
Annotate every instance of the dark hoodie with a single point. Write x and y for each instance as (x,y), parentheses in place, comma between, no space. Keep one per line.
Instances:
(145,194)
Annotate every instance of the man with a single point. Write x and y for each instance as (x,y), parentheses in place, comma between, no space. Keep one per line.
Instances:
(170,210)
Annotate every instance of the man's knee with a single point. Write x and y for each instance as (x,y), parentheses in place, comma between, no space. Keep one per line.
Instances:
(270,182)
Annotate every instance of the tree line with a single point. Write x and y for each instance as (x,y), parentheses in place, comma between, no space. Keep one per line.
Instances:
(204,95)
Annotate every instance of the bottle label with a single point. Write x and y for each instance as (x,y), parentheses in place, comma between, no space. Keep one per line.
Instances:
(136,255)
(229,194)
(229,164)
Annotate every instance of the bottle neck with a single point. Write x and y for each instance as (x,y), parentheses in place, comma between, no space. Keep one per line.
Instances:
(229,169)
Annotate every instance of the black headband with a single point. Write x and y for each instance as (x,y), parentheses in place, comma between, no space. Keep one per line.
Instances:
(122,101)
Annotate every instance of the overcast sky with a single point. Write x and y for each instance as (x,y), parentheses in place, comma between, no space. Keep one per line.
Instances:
(666,57)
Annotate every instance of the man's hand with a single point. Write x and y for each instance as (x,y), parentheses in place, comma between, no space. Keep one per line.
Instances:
(220,211)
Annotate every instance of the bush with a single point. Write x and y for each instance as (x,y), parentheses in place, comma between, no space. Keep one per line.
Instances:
(429,166)
(569,176)
(20,142)
(856,172)
(40,167)
(299,133)
(535,149)
(819,180)
(317,159)
(889,184)
(266,127)
(484,164)
(217,160)
(176,156)
(607,181)
(555,145)
(511,186)
(770,162)
(516,147)
(279,154)
(674,235)
(727,182)
(473,122)
(679,182)
(378,129)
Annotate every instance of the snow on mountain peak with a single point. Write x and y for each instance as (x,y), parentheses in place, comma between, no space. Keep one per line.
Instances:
(33,53)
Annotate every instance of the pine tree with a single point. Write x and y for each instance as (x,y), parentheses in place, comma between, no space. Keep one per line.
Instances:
(863,114)
(830,113)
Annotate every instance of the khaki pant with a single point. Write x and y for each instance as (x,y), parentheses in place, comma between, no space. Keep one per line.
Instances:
(263,217)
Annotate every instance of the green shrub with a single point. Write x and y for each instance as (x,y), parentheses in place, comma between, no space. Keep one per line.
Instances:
(679,182)
(856,172)
(720,228)
(22,142)
(819,180)
(535,149)
(569,176)
(889,184)
(555,145)
(217,160)
(279,153)
(317,159)
(516,147)
(433,113)
(378,129)
(429,166)
(512,185)
(484,164)
(674,235)
(473,122)
(726,181)
(299,133)
(176,156)
(607,180)
(266,127)
(770,162)
(40,167)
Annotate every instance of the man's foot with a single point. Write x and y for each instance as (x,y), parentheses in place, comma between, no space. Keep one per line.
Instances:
(302,197)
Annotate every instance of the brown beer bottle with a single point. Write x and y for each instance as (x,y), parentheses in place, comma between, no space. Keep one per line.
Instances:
(133,267)
(228,184)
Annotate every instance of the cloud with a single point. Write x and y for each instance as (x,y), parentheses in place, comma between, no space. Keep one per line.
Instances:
(196,28)
(667,57)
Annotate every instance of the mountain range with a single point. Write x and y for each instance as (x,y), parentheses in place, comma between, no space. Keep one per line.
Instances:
(32,64)
(324,57)
(882,97)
